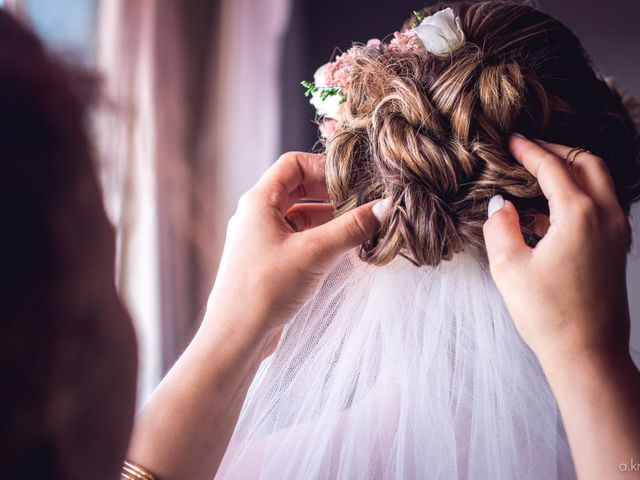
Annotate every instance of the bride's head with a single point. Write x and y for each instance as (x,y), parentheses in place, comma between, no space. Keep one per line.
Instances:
(429,130)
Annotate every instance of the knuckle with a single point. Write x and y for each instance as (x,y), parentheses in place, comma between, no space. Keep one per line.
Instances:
(272,196)
(546,163)
(535,154)
(594,166)
(547,157)
(585,211)
(287,157)
(245,199)
(599,164)
(355,227)
(620,226)
(264,195)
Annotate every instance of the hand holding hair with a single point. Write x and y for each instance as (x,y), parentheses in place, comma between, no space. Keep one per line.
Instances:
(567,297)
(276,252)
(579,264)
(302,239)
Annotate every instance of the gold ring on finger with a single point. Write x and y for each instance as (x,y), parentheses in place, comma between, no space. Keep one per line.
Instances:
(572,154)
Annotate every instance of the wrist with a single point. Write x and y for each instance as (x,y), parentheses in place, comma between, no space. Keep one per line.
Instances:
(242,329)
(561,364)
(234,312)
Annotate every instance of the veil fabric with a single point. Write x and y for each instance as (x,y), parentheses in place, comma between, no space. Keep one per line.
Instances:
(400,372)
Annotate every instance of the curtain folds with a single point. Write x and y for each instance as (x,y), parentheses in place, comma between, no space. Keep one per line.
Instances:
(188,122)
(126,140)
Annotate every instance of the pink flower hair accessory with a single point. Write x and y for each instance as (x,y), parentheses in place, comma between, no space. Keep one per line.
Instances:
(438,34)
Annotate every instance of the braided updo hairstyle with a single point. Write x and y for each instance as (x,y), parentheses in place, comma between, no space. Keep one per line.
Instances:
(430,132)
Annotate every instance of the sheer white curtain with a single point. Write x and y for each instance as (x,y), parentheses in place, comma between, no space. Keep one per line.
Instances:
(188,124)
(126,133)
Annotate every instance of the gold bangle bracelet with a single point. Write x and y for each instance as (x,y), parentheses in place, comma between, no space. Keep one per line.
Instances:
(132,471)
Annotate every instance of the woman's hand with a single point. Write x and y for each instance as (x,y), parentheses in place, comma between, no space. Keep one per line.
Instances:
(568,294)
(567,297)
(277,250)
(276,253)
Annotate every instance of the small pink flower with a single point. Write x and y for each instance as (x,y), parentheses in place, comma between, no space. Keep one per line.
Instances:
(339,72)
(373,44)
(328,128)
(405,41)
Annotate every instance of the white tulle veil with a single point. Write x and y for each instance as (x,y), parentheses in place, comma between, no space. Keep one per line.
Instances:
(401,372)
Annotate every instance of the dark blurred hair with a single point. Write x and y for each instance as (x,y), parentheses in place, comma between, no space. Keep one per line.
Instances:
(56,243)
(430,131)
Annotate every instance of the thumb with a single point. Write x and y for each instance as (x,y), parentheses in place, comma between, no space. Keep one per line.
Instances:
(502,236)
(345,232)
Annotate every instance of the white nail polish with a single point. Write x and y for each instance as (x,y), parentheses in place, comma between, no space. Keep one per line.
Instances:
(495,204)
(380,208)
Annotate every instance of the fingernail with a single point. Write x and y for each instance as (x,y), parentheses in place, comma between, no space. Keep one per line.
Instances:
(380,208)
(519,135)
(495,204)
(539,140)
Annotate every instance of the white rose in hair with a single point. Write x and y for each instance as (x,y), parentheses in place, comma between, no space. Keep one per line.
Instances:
(441,32)
(329,106)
